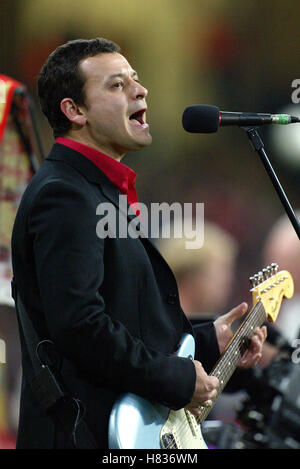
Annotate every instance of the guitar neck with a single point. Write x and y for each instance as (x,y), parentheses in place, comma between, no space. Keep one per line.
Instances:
(230,358)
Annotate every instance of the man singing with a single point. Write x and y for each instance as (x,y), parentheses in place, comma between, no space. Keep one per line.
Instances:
(108,304)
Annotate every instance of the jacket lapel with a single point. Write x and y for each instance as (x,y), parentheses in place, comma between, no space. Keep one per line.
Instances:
(94,175)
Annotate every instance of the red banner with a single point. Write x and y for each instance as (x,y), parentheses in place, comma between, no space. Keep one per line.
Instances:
(15,169)
(7,89)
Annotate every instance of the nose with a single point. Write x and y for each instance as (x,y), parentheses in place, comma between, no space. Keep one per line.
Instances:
(140,92)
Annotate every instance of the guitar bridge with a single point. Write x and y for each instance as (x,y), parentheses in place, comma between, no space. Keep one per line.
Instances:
(181,431)
(168,441)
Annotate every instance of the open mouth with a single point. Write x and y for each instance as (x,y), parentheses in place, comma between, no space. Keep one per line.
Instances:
(139,117)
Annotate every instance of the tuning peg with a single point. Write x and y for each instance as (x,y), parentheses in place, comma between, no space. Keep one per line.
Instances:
(252,281)
(266,273)
(256,280)
(274,267)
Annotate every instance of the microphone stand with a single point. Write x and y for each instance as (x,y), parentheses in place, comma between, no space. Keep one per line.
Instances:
(258,146)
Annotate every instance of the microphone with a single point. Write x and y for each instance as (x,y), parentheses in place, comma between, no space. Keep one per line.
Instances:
(202,118)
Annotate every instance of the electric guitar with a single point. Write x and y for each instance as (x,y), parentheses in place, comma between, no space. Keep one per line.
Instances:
(136,423)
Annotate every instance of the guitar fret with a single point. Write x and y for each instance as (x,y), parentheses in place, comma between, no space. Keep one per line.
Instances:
(227,363)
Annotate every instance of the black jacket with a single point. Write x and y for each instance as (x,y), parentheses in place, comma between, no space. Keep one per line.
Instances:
(110,305)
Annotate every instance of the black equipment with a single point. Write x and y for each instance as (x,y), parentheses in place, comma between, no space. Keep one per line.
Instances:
(269,417)
(203,118)
(47,384)
(206,119)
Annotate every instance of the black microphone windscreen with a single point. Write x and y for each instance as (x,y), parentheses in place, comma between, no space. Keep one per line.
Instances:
(201,119)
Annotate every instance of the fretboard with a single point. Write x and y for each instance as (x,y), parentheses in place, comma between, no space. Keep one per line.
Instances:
(230,358)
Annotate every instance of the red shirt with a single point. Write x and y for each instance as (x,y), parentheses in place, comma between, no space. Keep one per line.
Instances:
(120,175)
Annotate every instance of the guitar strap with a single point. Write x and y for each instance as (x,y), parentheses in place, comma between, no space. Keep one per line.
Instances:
(48,385)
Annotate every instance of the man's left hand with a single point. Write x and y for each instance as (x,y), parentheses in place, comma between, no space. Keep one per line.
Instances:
(224,334)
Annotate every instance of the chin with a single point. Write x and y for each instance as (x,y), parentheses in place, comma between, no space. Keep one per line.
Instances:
(145,142)
(136,146)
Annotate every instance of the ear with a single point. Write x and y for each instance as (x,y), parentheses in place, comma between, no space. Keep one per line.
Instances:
(72,112)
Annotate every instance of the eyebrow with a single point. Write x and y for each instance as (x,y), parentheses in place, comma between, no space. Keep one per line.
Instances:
(122,75)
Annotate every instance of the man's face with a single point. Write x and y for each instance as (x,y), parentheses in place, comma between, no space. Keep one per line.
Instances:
(115,105)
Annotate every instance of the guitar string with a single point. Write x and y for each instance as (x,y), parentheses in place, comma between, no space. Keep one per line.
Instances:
(184,424)
(236,351)
(253,315)
(237,348)
(232,352)
(257,313)
(256,317)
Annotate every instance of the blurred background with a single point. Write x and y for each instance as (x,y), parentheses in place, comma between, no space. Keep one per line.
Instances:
(240,56)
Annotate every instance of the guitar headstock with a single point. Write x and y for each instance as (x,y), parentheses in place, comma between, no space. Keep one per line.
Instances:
(270,286)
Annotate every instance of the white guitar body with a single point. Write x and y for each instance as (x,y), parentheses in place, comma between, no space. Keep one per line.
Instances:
(136,423)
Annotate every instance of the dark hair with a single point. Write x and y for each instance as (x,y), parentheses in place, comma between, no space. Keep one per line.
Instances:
(60,78)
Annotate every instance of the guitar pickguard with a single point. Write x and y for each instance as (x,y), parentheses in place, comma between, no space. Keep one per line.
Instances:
(181,430)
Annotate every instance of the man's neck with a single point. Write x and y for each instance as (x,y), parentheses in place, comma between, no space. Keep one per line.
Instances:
(85,140)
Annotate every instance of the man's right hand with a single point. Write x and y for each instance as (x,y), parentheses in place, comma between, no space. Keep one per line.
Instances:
(205,390)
